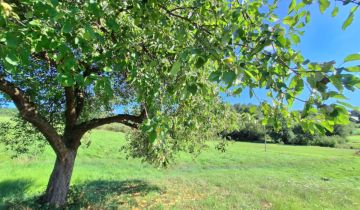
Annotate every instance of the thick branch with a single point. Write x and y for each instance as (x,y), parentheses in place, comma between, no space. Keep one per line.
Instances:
(29,113)
(70,112)
(80,101)
(126,119)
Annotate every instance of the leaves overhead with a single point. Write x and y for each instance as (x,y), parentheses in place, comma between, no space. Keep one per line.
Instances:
(167,56)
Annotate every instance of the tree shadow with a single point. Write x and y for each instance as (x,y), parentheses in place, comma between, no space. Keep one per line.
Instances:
(107,193)
(13,190)
(99,194)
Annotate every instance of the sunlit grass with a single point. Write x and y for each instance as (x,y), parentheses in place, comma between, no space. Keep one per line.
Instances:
(244,177)
(354,141)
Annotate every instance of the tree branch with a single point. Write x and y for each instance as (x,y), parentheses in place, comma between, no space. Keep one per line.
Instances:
(126,119)
(171,13)
(29,113)
(349,1)
(70,112)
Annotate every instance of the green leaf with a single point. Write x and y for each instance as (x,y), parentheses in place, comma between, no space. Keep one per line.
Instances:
(192,88)
(11,40)
(289,20)
(334,94)
(336,81)
(289,99)
(200,62)
(352,57)
(307,2)
(348,21)
(65,80)
(107,69)
(152,136)
(295,38)
(308,17)
(175,68)
(250,75)
(297,84)
(229,77)
(237,91)
(67,27)
(327,125)
(353,69)
(347,105)
(215,76)
(292,6)
(281,40)
(12,59)
(108,88)
(324,4)
(335,12)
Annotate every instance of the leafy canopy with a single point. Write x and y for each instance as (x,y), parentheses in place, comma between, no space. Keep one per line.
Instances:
(171,57)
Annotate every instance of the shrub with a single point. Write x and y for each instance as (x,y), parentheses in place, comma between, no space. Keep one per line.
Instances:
(252,132)
(285,135)
(344,130)
(115,128)
(329,141)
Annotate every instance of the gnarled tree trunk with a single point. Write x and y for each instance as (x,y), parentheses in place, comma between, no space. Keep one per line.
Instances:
(59,182)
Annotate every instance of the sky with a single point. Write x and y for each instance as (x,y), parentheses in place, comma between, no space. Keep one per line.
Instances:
(324,40)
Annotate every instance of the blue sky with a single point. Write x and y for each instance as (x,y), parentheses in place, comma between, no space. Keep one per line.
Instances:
(323,40)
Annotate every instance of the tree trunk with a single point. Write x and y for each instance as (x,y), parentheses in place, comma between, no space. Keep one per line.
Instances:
(59,182)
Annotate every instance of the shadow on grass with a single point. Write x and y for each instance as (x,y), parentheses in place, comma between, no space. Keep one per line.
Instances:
(99,194)
(13,190)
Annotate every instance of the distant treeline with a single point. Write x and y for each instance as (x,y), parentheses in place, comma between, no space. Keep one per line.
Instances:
(252,130)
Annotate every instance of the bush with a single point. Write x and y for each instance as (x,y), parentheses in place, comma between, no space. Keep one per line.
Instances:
(284,135)
(344,130)
(329,141)
(250,132)
(115,127)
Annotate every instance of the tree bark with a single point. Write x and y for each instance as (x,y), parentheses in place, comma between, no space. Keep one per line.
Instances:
(59,183)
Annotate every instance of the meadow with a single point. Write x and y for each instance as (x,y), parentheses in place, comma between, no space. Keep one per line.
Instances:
(243,177)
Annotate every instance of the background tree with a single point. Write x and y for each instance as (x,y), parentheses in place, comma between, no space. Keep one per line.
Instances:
(61,60)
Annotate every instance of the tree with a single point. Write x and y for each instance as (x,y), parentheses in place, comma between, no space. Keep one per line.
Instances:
(62,60)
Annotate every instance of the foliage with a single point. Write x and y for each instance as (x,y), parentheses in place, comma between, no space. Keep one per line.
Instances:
(133,52)
(204,126)
(115,127)
(329,141)
(344,130)
(20,138)
(251,132)
(251,129)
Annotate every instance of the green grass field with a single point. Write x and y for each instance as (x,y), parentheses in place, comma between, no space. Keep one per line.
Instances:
(244,177)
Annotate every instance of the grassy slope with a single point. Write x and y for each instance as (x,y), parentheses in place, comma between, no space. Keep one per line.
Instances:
(245,177)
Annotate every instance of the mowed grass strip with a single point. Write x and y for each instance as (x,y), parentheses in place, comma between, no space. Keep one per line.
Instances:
(244,177)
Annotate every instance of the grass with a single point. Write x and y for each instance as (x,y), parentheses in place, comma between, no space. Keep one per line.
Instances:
(354,141)
(245,177)
(357,131)
(4,118)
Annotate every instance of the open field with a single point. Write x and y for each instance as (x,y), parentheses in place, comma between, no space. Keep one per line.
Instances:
(245,177)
